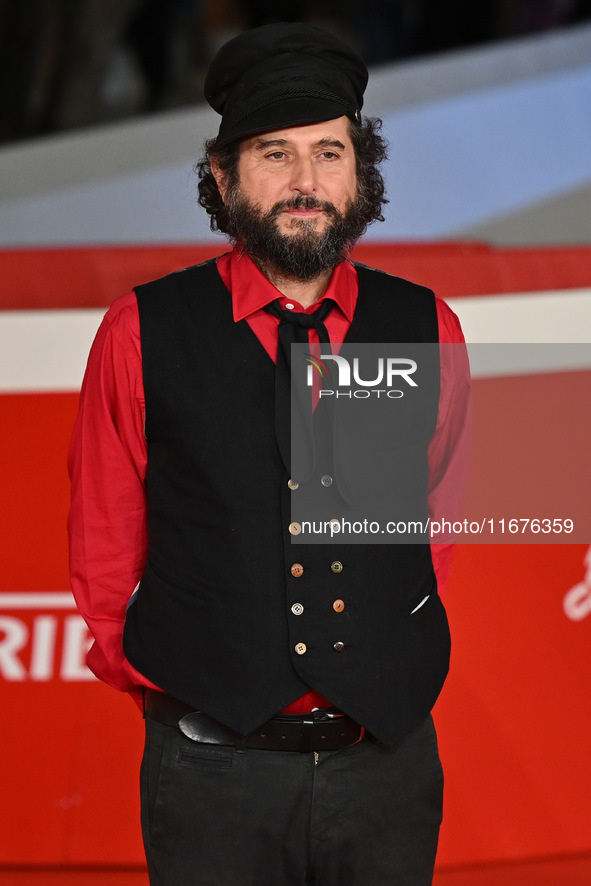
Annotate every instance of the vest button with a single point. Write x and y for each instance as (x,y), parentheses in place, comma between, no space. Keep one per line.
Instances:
(326,480)
(339,646)
(297,608)
(338,605)
(293,484)
(296,570)
(335,526)
(336,567)
(295,528)
(300,648)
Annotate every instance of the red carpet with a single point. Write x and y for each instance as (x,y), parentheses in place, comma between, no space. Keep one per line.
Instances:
(554,872)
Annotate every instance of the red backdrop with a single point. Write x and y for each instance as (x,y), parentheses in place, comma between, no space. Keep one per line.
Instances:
(513,720)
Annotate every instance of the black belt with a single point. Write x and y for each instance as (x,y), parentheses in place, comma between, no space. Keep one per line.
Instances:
(318,731)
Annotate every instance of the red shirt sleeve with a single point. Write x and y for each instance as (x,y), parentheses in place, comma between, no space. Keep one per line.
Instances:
(107,464)
(449,450)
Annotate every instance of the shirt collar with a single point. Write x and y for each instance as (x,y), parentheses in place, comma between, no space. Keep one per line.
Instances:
(251,290)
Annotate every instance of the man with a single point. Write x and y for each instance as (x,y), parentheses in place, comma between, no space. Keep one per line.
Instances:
(286,695)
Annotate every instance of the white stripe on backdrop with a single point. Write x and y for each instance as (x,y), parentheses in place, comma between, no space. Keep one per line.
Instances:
(46,351)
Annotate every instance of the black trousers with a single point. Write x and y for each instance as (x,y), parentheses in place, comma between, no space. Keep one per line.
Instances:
(363,816)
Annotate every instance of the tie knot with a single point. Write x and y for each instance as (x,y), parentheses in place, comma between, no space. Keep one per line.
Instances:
(301,320)
(307,321)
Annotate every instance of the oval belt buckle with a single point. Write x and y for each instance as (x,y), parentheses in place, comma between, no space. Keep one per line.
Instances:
(189,727)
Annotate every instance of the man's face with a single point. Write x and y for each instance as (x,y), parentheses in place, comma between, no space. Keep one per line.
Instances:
(294,204)
(315,161)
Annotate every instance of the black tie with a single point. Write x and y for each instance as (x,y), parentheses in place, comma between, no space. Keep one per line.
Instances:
(293,328)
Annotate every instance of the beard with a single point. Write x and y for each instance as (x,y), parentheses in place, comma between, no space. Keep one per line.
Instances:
(305,253)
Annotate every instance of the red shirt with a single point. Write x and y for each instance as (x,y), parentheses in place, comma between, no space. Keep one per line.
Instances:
(108,455)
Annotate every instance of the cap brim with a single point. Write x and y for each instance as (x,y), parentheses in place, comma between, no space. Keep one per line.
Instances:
(280,115)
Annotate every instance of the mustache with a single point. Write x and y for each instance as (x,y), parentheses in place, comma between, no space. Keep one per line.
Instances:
(303,202)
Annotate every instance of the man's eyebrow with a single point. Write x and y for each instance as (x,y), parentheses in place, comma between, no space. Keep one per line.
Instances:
(262,143)
(331,143)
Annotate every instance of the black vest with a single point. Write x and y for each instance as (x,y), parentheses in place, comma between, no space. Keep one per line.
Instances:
(212,623)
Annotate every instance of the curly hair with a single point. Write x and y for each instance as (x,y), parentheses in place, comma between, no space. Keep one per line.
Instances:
(370,150)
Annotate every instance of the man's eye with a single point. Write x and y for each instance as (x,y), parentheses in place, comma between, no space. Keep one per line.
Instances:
(329,155)
(276,155)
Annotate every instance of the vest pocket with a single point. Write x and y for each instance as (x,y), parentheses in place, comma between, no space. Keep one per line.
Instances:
(421,604)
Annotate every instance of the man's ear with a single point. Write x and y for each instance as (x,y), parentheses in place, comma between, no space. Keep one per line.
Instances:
(220,178)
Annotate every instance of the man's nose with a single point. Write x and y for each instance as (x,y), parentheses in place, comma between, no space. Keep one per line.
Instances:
(303,175)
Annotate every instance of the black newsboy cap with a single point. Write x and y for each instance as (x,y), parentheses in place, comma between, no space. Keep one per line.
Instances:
(285,74)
